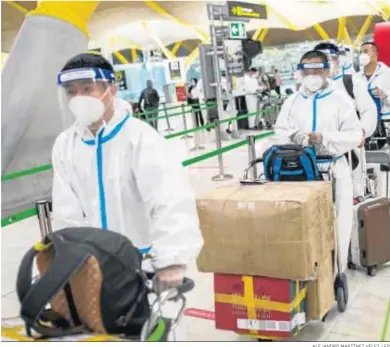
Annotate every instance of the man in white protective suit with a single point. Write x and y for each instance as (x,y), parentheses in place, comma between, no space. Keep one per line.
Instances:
(321,116)
(376,77)
(363,104)
(113,171)
(252,88)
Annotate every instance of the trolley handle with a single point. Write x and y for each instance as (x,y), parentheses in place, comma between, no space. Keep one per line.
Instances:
(324,157)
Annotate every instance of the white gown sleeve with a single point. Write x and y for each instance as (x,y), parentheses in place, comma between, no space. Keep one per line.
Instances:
(286,130)
(349,135)
(67,211)
(365,106)
(170,202)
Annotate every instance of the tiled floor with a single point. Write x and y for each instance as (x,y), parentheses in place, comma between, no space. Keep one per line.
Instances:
(369,296)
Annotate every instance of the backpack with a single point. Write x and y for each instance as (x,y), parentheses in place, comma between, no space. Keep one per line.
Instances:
(271,80)
(92,280)
(348,84)
(290,163)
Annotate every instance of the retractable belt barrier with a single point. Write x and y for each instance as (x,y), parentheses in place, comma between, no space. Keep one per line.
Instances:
(17,217)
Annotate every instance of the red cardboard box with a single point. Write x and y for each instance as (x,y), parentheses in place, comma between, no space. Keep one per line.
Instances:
(259,306)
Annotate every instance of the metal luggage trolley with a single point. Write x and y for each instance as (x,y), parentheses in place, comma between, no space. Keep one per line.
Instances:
(156,328)
(341,282)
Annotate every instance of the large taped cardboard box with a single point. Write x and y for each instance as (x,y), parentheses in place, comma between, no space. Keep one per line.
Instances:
(320,293)
(277,230)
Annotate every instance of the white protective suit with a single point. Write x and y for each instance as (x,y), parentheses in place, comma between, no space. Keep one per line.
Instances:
(364,104)
(380,79)
(251,88)
(127,180)
(331,114)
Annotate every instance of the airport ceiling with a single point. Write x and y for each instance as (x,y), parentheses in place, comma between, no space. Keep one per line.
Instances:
(138,23)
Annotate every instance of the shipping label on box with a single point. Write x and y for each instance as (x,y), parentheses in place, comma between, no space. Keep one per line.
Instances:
(259,306)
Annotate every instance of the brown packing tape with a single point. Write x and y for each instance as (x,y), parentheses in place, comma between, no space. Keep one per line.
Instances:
(247,229)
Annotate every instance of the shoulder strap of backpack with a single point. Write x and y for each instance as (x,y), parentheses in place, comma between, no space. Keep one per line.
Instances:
(34,297)
(348,84)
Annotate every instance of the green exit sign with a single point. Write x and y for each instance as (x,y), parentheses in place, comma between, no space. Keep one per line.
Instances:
(237,30)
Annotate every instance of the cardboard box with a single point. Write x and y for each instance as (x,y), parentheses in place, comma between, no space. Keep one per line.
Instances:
(320,293)
(276,230)
(259,306)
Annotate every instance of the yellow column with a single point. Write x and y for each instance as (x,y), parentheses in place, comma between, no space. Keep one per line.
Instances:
(134,55)
(263,35)
(320,30)
(341,30)
(363,31)
(73,12)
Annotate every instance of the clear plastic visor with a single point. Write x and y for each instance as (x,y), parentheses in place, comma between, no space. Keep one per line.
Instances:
(316,69)
(78,83)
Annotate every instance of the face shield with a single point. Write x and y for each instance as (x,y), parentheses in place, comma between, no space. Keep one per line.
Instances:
(334,61)
(313,75)
(83,95)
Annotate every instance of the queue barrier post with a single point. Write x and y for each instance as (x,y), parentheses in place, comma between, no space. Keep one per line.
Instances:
(183,113)
(197,146)
(222,176)
(252,155)
(168,129)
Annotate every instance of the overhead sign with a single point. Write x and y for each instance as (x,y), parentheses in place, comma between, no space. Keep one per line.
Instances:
(120,79)
(174,70)
(246,10)
(237,30)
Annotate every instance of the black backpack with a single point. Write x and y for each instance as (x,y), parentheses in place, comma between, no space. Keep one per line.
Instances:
(271,80)
(92,279)
(379,138)
(291,163)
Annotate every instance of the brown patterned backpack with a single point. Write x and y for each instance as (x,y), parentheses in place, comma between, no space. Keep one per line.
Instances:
(92,280)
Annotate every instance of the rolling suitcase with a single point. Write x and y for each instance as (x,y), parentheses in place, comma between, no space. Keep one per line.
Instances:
(370,242)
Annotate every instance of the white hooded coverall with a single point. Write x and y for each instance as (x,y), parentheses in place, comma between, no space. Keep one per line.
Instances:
(128,181)
(251,87)
(379,79)
(364,104)
(330,113)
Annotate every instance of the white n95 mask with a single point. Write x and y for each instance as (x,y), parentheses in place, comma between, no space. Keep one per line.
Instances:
(313,82)
(364,59)
(87,109)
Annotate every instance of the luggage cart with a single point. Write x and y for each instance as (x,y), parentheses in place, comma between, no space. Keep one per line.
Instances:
(340,282)
(156,328)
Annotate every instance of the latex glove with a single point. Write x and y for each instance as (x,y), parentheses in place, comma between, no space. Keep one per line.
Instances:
(169,278)
(379,93)
(315,138)
(300,138)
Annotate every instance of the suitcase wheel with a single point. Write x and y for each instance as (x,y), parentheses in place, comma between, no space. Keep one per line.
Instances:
(372,270)
(340,298)
(260,126)
(269,125)
(341,292)
(351,266)
(264,340)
